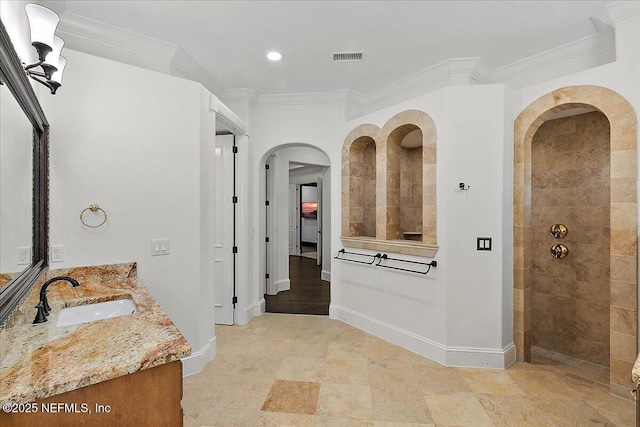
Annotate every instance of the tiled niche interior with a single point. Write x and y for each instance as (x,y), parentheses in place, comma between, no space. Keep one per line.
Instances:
(623,222)
(388,186)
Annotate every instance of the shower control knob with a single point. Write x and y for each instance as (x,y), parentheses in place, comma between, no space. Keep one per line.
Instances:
(559,251)
(558,231)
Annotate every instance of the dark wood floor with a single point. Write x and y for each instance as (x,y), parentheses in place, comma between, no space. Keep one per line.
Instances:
(308,294)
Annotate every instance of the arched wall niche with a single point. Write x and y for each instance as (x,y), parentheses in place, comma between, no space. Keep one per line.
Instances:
(359,182)
(397,161)
(623,221)
(405,186)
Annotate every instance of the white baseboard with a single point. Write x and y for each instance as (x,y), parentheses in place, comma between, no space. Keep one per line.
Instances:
(198,360)
(282,285)
(448,356)
(262,307)
(255,309)
(325,275)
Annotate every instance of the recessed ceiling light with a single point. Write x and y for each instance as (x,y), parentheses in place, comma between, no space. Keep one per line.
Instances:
(274,56)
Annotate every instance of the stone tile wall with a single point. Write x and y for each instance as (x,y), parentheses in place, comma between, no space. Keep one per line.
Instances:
(411,189)
(623,211)
(570,186)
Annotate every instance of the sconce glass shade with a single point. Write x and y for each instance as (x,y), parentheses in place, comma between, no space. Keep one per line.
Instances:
(43,23)
(50,64)
(53,56)
(57,76)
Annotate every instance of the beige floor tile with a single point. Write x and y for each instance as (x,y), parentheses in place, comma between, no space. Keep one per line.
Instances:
(229,417)
(331,421)
(234,386)
(440,379)
(188,420)
(281,419)
(457,409)
(293,397)
(378,423)
(379,350)
(567,413)
(346,350)
(308,348)
(399,404)
(490,381)
(241,395)
(542,384)
(346,371)
(302,369)
(620,411)
(345,400)
(507,411)
(392,373)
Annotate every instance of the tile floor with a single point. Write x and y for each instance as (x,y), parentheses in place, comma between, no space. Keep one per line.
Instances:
(297,370)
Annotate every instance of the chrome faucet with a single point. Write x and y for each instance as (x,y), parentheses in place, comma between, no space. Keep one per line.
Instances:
(43,306)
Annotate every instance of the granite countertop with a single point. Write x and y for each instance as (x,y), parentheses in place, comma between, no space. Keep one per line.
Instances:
(42,360)
(635,372)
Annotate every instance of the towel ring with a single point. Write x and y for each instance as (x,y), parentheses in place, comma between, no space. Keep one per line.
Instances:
(93,208)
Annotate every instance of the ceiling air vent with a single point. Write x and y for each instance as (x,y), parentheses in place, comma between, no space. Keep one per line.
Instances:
(348,56)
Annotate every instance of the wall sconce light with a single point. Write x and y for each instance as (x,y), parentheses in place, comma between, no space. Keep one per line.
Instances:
(43,23)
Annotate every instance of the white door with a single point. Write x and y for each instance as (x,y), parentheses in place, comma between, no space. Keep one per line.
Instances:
(223,233)
(293,220)
(319,221)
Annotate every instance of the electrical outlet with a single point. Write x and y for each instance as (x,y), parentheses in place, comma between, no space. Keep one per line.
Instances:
(57,253)
(159,247)
(23,256)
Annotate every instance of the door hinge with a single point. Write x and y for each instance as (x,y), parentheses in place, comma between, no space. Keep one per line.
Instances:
(266,203)
(266,239)
(235,149)
(234,300)
(266,166)
(266,276)
(234,199)
(235,249)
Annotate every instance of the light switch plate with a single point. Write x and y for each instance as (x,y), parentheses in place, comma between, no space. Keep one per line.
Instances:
(483,244)
(159,247)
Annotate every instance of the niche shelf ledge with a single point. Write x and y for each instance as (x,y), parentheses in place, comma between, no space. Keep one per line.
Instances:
(403,247)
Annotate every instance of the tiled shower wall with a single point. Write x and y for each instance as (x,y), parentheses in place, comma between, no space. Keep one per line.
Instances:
(369,189)
(570,160)
(411,189)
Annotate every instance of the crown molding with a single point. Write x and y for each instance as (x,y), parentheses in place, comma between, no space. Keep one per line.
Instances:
(312,98)
(242,95)
(623,11)
(599,48)
(98,38)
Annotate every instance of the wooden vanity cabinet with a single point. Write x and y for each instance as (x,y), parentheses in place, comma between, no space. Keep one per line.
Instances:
(150,397)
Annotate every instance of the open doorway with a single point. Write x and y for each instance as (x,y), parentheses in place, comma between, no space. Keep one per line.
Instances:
(309,228)
(296,273)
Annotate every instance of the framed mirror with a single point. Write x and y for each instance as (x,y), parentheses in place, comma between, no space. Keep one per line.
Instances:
(24,182)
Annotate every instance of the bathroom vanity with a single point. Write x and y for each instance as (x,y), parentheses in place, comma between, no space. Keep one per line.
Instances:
(124,370)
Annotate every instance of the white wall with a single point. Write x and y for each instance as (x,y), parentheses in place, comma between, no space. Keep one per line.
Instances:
(139,144)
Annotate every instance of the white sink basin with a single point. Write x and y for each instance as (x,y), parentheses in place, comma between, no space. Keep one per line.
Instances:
(98,311)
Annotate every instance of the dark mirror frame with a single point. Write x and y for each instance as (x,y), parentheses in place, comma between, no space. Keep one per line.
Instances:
(13,75)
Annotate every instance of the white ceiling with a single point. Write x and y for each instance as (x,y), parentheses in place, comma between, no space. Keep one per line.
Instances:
(229,39)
